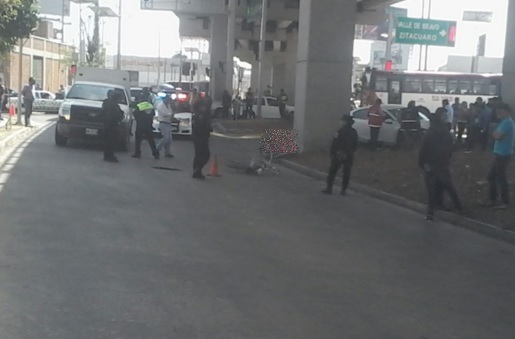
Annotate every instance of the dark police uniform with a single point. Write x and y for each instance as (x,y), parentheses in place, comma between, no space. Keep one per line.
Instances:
(343,147)
(144,115)
(435,159)
(201,133)
(113,115)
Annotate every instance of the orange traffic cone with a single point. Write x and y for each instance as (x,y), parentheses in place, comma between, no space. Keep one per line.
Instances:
(12,110)
(214,171)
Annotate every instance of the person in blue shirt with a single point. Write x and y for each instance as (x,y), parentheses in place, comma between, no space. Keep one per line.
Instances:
(504,136)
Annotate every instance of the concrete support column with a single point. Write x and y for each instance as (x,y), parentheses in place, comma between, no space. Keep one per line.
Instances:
(218,50)
(291,68)
(230,46)
(508,79)
(324,69)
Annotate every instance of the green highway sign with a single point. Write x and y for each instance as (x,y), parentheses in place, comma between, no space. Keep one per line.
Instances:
(254,9)
(413,31)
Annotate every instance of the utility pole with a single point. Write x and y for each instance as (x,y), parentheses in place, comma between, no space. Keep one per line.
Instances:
(264,12)
(119,56)
(427,46)
(389,41)
(159,59)
(420,46)
(20,82)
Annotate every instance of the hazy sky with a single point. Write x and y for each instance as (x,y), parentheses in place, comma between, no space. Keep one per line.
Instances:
(140,29)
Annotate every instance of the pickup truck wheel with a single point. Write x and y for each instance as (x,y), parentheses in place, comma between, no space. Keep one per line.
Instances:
(59,139)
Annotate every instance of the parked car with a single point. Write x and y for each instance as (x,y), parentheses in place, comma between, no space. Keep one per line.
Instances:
(44,101)
(390,132)
(270,108)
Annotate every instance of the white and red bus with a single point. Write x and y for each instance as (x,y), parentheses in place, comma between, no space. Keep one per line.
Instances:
(428,89)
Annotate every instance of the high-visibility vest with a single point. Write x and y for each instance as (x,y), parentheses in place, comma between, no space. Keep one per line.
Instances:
(145,106)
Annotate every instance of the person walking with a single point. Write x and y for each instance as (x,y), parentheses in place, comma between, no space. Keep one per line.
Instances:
(201,132)
(283,101)
(473,127)
(462,118)
(165,117)
(435,160)
(236,107)
(249,102)
(343,147)
(410,125)
(144,115)
(456,107)
(28,100)
(448,118)
(504,136)
(195,96)
(376,119)
(226,104)
(113,115)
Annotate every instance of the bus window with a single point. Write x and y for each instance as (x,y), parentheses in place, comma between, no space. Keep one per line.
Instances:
(453,87)
(466,87)
(440,86)
(428,86)
(485,87)
(413,85)
(381,84)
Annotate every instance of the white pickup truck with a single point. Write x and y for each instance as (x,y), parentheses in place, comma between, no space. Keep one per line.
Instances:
(80,115)
(44,102)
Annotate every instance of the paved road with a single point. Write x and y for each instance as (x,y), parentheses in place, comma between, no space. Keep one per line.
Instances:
(96,250)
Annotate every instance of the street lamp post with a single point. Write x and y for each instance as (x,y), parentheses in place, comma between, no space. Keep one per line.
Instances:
(264,12)
(119,56)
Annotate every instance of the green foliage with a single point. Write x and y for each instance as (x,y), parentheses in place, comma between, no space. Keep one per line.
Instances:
(18,18)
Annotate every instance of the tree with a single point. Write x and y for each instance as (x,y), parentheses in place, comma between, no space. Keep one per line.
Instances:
(93,50)
(18,18)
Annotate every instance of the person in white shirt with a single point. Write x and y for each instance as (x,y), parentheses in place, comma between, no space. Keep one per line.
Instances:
(449,118)
(165,117)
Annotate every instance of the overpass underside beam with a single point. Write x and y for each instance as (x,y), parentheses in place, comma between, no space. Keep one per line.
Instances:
(324,69)
(508,81)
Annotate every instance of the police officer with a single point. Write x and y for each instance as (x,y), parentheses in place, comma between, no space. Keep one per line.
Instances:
(201,133)
(145,95)
(144,115)
(283,100)
(113,115)
(345,144)
(435,160)
(410,125)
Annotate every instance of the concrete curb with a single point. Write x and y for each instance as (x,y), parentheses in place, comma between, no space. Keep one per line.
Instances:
(17,135)
(457,220)
(218,127)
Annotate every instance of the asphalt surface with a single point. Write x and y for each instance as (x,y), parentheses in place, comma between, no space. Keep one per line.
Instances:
(96,250)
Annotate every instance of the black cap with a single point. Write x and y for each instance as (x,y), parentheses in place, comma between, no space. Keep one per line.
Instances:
(348,119)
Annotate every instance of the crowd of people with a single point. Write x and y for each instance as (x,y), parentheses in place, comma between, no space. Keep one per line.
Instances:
(488,125)
(243,108)
(144,113)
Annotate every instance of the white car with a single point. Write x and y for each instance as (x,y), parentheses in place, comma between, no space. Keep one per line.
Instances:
(44,102)
(183,127)
(389,134)
(270,108)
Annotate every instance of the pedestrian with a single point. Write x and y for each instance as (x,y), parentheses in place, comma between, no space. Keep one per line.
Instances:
(283,101)
(376,118)
(410,125)
(195,96)
(462,118)
(448,117)
(236,107)
(165,118)
(28,100)
(504,136)
(435,159)
(473,127)
(343,147)
(226,104)
(144,115)
(456,107)
(145,96)
(249,102)
(201,133)
(113,115)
